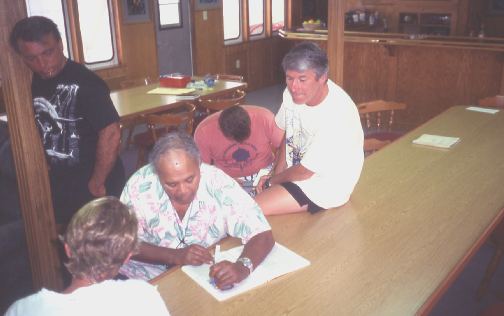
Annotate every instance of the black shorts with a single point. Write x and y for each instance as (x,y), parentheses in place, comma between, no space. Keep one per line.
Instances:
(298,195)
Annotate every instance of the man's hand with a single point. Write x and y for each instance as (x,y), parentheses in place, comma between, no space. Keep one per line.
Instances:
(194,255)
(225,274)
(96,188)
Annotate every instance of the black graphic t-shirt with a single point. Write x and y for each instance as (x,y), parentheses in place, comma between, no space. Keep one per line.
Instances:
(70,110)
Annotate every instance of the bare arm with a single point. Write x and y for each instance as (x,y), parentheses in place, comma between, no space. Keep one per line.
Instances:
(193,254)
(280,162)
(107,150)
(227,273)
(294,173)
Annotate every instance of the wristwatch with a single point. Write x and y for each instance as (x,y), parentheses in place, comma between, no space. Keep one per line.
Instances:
(247,263)
(267,184)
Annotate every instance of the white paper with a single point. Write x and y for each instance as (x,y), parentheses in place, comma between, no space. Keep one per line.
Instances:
(482,110)
(3,117)
(278,262)
(436,141)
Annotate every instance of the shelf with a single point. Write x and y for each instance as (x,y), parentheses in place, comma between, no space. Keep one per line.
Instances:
(397,39)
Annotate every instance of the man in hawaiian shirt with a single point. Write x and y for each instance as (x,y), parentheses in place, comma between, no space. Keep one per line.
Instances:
(185,206)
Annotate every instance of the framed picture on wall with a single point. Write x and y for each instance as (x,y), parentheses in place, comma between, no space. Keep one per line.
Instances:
(496,7)
(207,4)
(135,11)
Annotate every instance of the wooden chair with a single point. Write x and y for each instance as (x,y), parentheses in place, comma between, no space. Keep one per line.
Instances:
(378,121)
(497,239)
(495,101)
(160,124)
(222,102)
(130,124)
(227,77)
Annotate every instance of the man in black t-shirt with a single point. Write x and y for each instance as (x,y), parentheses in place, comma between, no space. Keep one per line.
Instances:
(78,123)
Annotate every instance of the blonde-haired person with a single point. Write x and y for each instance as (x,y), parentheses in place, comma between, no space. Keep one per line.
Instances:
(101,236)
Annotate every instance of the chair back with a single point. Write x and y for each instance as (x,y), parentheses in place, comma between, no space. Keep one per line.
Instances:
(227,77)
(495,101)
(159,124)
(378,120)
(379,114)
(222,102)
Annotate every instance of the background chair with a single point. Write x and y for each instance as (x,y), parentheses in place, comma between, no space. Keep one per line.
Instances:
(160,124)
(227,77)
(495,101)
(378,121)
(208,106)
(130,124)
(497,239)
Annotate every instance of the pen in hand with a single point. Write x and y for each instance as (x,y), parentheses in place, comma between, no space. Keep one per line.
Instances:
(217,254)
(217,259)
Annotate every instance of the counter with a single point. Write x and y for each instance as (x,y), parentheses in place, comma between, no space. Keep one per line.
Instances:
(428,73)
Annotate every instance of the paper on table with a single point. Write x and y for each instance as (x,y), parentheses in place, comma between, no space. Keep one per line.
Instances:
(436,141)
(482,110)
(174,91)
(278,262)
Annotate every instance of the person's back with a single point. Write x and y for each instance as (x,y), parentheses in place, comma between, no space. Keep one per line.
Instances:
(122,297)
(239,158)
(100,237)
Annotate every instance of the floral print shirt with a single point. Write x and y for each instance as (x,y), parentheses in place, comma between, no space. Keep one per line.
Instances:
(220,208)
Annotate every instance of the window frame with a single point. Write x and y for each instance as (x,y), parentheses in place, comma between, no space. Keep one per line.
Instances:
(74,39)
(252,37)
(173,25)
(240,38)
(245,35)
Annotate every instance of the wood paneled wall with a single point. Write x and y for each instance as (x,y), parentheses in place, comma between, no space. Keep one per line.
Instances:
(137,52)
(257,60)
(428,79)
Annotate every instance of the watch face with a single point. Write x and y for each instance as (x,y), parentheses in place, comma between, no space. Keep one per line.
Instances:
(246,263)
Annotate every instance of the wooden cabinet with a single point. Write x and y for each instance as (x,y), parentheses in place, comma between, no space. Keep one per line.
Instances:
(425,23)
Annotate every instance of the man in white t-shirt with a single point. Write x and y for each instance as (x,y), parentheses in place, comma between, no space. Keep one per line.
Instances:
(321,157)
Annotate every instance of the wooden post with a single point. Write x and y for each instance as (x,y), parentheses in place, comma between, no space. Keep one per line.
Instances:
(335,39)
(29,159)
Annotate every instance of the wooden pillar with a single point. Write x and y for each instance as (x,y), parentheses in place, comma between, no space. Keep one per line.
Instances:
(31,169)
(335,39)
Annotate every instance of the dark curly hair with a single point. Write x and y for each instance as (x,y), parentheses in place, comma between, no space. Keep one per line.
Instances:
(234,123)
(32,29)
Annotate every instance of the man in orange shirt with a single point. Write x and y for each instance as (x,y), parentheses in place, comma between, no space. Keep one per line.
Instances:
(241,140)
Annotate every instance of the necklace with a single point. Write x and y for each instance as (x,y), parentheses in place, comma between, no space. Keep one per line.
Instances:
(182,243)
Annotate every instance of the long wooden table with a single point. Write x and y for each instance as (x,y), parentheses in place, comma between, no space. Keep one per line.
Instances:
(132,102)
(416,218)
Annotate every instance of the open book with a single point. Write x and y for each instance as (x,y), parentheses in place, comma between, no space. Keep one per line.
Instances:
(278,262)
(436,141)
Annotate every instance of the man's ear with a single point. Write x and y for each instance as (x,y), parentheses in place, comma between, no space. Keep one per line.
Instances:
(68,251)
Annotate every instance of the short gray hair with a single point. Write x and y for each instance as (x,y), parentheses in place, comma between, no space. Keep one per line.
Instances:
(176,140)
(304,56)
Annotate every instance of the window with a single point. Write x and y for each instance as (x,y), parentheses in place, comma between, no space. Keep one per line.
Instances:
(96,31)
(256,18)
(277,14)
(52,9)
(96,38)
(231,10)
(169,14)
(263,17)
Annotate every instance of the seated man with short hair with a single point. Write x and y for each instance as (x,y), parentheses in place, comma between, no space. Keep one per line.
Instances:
(322,154)
(241,141)
(185,206)
(101,236)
